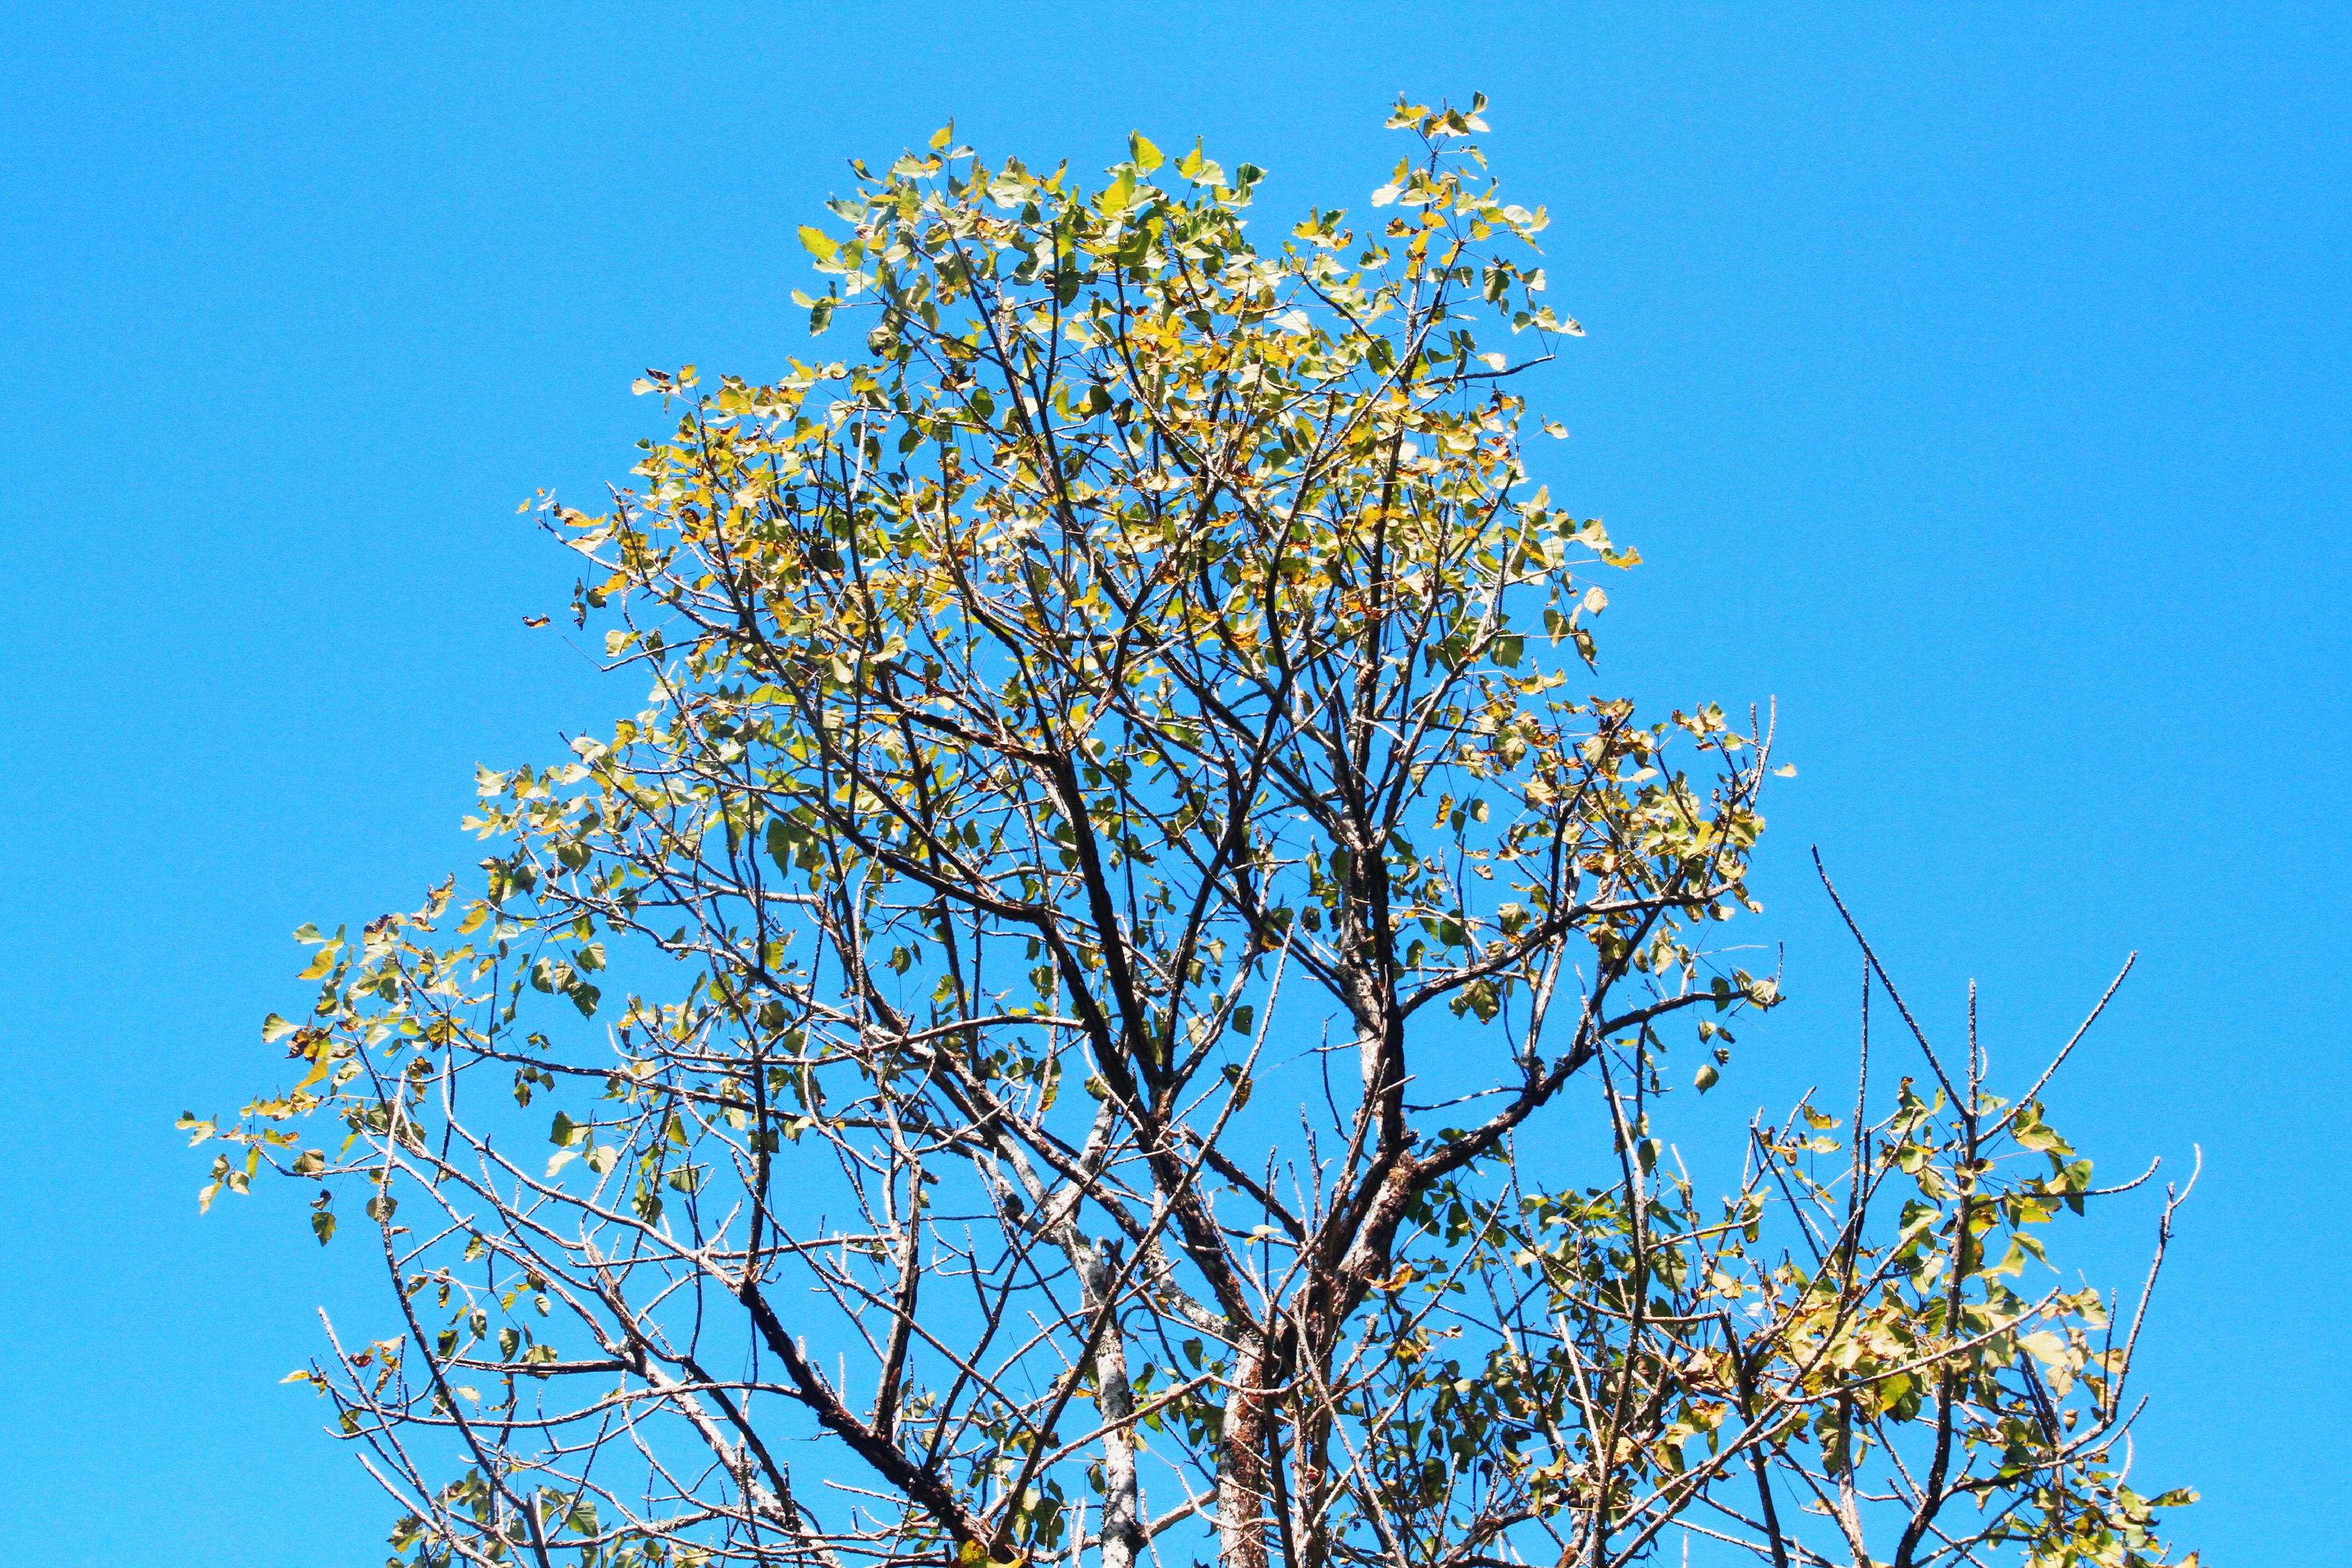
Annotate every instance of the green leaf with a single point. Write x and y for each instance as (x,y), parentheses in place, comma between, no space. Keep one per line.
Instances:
(1200,169)
(1146,157)
(821,244)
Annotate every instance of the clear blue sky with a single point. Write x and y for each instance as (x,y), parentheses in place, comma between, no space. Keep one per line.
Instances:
(1975,379)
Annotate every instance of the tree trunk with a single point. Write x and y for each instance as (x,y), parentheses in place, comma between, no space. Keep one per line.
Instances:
(1241,1464)
(1123,1520)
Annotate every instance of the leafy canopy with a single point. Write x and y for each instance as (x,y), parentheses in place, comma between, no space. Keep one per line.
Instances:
(1055,994)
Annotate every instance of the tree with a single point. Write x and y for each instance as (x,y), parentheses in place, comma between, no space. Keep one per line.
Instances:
(1112,1003)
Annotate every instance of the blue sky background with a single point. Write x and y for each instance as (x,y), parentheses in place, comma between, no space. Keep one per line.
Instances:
(1974,380)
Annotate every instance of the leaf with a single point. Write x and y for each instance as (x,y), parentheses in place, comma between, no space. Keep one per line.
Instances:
(274,1029)
(1200,169)
(1139,148)
(821,244)
(1483,999)
(1707,1078)
(943,135)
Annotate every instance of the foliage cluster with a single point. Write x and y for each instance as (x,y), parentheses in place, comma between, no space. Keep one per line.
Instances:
(1057,1031)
